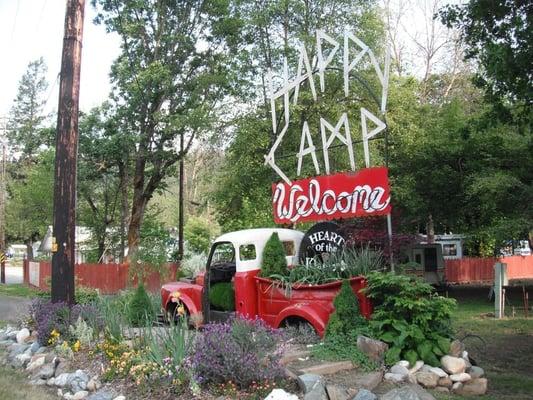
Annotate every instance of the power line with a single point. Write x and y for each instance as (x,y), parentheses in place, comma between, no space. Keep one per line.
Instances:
(15,20)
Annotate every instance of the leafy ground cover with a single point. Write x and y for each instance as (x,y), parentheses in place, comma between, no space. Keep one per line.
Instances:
(504,348)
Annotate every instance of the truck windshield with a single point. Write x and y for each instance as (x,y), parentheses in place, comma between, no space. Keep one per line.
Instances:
(224,253)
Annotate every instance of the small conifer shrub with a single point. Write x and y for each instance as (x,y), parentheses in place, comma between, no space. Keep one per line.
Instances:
(140,311)
(347,319)
(274,261)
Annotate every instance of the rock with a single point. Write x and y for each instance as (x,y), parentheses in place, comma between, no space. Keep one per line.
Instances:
(280,394)
(40,350)
(47,371)
(318,393)
(456,348)
(62,366)
(415,368)
(399,370)
(457,386)
(411,378)
(35,362)
(427,379)
(121,397)
(93,385)
(38,382)
(403,363)
(102,395)
(395,378)
(453,365)
(328,368)
(442,389)
(62,380)
(35,346)
(475,372)
(293,356)
(374,349)
(438,371)
(364,394)
(12,334)
(426,368)
(51,382)
(368,380)
(60,392)
(446,382)
(475,387)
(22,335)
(408,392)
(78,381)
(16,349)
(80,395)
(335,392)
(308,382)
(462,377)
(21,360)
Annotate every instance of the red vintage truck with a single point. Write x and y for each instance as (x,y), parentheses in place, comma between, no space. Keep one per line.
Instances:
(236,257)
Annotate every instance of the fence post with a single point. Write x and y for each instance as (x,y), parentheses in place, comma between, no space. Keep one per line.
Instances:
(500,280)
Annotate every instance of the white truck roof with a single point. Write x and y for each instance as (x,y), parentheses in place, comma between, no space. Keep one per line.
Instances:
(259,237)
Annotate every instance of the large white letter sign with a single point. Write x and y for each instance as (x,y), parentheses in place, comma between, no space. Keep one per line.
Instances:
(322,64)
(346,139)
(306,136)
(304,59)
(367,135)
(347,65)
(270,157)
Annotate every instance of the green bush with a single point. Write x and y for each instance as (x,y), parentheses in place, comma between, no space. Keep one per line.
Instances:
(347,318)
(140,311)
(274,261)
(414,321)
(222,296)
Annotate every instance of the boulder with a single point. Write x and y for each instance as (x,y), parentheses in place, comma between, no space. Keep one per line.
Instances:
(474,387)
(395,378)
(280,394)
(399,370)
(335,392)
(427,379)
(408,392)
(35,362)
(364,394)
(121,397)
(456,348)
(442,389)
(47,371)
(94,384)
(403,363)
(62,380)
(415,368)
(22,335)
(453,365)
(318,393)
(457,386)
(476,372)
(308,382)
(21,360)
(35,346)
(102,395)
(438,371)
(374,349)
(462,377)
(446,382)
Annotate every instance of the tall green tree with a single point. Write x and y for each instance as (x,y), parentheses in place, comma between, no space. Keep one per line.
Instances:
(173,69)
(26,120)
(499,35)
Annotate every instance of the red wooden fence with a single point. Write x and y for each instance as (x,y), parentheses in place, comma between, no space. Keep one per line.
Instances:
(107,278)
(481,270)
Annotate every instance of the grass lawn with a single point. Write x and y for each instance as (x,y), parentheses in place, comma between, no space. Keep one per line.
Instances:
(14,386)
(503,348)
(19,290)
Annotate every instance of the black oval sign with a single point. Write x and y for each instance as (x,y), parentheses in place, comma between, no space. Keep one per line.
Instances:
(324,237)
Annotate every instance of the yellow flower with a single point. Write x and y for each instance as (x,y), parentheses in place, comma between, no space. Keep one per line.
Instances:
(181,310)
(76,346)
(174,296)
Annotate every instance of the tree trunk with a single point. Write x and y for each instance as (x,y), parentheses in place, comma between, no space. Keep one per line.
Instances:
(29,249)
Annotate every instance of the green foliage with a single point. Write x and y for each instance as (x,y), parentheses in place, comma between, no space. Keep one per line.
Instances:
(346,318)
(140,311)
(222,296)
(198,233)
(414,321)
(274,261)
(85,295)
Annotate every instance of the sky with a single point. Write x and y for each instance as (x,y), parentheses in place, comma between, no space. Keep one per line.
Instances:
(30,29)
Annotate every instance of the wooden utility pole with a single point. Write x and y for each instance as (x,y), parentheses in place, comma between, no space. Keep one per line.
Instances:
(180,227)
(64,240)
(3,208)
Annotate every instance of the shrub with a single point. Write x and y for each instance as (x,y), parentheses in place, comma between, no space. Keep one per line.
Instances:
(140,311)
(343,347)
(82,332)
(274,261)
(241,351)
(347,318)
(414,321)
(222,296)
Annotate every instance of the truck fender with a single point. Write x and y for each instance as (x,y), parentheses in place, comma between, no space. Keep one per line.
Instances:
(187,302)
(316,315)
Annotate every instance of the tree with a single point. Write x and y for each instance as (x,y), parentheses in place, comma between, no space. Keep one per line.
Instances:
(499,35)
(174,67)
(26,131)
(274,260)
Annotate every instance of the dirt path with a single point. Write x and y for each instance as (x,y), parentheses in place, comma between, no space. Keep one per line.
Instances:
(13,308)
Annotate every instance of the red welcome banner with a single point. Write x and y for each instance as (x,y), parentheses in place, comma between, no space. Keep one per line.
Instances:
(345,195)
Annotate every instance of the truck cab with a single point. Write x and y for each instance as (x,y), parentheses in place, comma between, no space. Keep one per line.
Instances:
(235,258)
